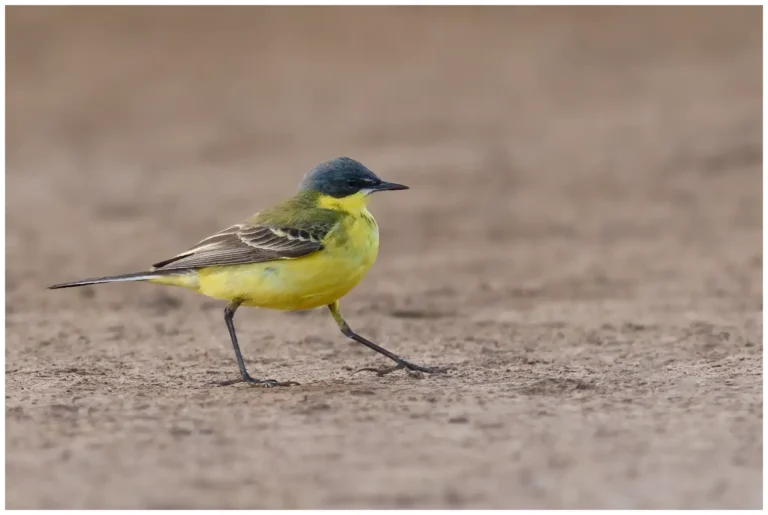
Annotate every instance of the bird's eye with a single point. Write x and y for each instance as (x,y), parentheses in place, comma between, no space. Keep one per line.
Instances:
(361,183)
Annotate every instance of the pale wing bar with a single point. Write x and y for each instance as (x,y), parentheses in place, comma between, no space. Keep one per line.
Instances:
(241,244)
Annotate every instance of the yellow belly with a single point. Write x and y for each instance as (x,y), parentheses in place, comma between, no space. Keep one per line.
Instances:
(309,282)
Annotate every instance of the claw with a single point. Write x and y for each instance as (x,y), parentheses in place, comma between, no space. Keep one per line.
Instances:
(381,372)
(264,383)
(402,364)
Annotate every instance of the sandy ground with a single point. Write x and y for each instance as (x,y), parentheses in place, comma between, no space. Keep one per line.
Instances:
(582,244)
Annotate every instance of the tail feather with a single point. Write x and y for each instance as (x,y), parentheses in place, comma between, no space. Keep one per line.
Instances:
(138,276)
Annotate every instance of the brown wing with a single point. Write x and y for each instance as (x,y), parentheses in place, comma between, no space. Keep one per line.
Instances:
(245,243)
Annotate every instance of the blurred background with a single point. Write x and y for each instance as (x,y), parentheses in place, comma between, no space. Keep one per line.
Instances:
(582,241)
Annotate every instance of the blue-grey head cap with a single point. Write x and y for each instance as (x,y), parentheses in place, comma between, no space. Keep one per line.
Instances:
(342,177)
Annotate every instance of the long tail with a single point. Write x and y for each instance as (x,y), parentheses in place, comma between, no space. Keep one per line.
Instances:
(139,276)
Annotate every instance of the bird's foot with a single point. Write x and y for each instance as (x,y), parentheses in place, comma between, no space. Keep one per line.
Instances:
(402,364)
(264,383)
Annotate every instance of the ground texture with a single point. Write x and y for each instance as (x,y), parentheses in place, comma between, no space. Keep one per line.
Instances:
(581,244)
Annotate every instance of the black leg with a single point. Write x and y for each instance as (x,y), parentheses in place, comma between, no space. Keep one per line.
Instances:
(229,314)
(401,363)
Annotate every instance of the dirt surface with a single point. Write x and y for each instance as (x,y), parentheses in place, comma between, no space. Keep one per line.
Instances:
(582,244)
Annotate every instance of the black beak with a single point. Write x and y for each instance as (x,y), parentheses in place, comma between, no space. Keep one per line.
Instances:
(389,186)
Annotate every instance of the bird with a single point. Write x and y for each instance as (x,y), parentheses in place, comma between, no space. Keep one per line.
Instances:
(303,253)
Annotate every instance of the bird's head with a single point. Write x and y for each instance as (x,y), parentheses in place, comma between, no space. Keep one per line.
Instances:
(344,177)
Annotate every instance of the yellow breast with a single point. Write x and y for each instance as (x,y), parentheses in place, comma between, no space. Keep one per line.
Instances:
(303,283)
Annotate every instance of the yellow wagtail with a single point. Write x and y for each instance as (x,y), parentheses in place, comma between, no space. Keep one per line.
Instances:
(306,252)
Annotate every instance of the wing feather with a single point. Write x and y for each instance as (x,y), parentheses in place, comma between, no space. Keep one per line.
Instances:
(248,243)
